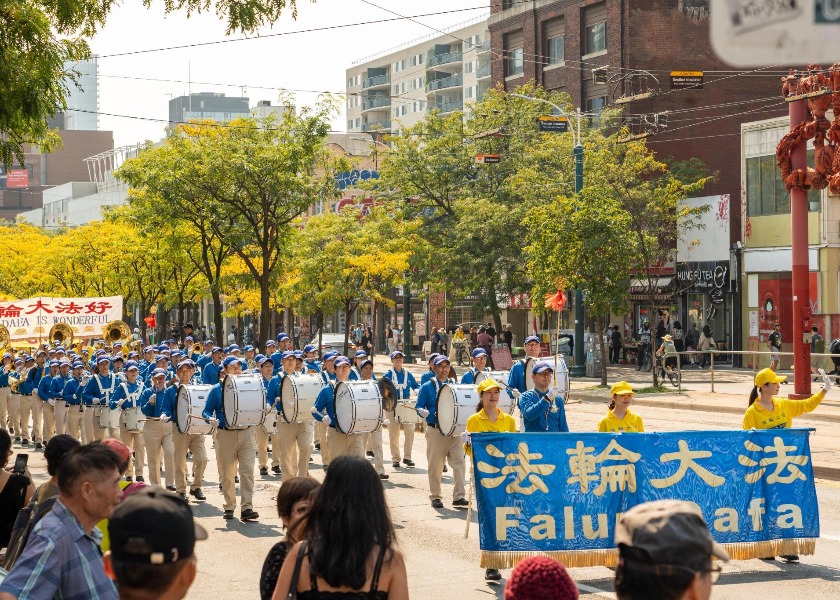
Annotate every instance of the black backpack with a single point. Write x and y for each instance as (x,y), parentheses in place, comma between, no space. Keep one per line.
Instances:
(25,522)
(834,348)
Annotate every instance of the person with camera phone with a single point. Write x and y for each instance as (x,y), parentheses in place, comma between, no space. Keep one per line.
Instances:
(16,487)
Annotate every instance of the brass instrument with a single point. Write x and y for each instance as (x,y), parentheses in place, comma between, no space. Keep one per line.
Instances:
(117,331)
(5,340)
(198,348)
(14,381)
(61,334)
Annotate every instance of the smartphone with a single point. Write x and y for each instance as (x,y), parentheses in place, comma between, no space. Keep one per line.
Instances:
(20,463)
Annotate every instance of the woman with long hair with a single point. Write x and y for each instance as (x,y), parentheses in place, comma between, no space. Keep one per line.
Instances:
(350,550)
(16,489)
(293,503)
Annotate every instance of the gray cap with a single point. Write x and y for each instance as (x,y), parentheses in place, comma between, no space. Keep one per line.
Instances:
(670,531)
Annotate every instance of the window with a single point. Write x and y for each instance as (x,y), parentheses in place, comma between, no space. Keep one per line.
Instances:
(358,122)
(766,194)
(396,88)
(595,28)
(596,105)
(514,53)
(555,41)
(468,92)
(468,67)
(350,124)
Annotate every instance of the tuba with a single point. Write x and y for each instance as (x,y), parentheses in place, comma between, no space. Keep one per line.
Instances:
(198,348)
(117,331)
(5,339)
(61,334)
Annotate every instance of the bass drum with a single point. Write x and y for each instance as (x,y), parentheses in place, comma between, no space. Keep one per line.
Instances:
(190,405)
(358,407)
(298,394)
(506,401)
(562,378)
(455,404)
(244,400)
(529,378)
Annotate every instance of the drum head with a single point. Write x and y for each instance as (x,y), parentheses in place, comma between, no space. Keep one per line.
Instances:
(445,410)
(288,400)
(228,399)
(529,378)
(182,410)
(343,407)
(389,393)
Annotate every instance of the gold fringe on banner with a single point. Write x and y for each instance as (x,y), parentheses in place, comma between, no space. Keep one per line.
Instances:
(609,558)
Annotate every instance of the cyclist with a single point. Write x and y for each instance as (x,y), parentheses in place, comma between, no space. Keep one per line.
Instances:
(667,354)
(644,344)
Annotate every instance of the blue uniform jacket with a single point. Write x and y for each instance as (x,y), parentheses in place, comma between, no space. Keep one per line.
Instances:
(72,392)
(91,391)
(214,407)
(427,398)
(156,409)
(272,391)
(403,381)
(57,386)
(311,365)
(170,400)
(327,377)
(120,394)
(276,360)
(516,379)
(4,378)
(210,373)
(326,402)
(33,378)
(537,414)
(469,376)
(426,377)
(44,387)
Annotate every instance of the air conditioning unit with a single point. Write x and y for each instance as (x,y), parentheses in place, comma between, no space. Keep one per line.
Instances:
(599,75)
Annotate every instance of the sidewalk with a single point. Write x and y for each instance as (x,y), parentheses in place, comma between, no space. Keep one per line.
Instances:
(729,400)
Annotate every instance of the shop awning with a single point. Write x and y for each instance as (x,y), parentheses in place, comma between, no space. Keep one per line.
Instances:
(661,288)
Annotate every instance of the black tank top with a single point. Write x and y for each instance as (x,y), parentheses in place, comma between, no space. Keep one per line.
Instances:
(373,594)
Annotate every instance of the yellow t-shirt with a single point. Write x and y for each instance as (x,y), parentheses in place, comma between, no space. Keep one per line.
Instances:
(631,423)
(480,422)
(784,409)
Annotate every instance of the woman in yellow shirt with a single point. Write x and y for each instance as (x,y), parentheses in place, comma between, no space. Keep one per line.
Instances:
(767,411)
(619,416)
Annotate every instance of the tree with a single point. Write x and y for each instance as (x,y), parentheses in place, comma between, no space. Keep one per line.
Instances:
(39,38)
(23,272)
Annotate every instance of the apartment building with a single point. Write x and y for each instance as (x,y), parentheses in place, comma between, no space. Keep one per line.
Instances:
(397,87)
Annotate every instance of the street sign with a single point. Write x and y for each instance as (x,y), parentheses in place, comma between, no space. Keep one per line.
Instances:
(553,123)
(755,33)
(17,178)
(487,159)
(681,80)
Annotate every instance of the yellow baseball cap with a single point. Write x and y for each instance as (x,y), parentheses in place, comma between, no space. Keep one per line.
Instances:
(621,387)
(768,376)
(488,384)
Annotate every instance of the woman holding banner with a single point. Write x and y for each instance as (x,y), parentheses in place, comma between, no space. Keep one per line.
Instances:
(619,416)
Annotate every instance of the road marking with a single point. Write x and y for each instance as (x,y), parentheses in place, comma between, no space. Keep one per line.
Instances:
(593,590)
(828,536)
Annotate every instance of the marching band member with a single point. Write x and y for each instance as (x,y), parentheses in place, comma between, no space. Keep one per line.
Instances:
(479,359)
(275,355)
(47,402)
(28,389)
(19,422)
(405,383)
(5,392)
(539,407)
(284,342)
(272,387)
(157,434)
(146,364)
(320,429)
(328,366)
(441,447)
(310,359)
(431,372)
(207,356)
(58,403)
(250,361)
(294,440)
(233,446)
(126,396)
(373,440)
(98,392)
(299,368)
(355,371)
(516,379)
(210,372)
(339,443)
(72,395)
(185,442)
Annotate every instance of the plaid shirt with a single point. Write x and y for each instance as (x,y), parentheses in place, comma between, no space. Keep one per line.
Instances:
(60,561)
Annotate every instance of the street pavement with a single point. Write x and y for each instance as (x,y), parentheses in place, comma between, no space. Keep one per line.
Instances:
(443,565)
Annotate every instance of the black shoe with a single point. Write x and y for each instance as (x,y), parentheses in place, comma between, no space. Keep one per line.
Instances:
(236,479)
(220,487)
(384,476)
(249,515)
(198,494)
(492,575)
(264,471)
(12,432)
(790,557)
(25,442)
(410,463)
(768,558)
(461,502)
(170,488)
(275,469)
(436,503)
(140,479)
(129,478)
(445,469)
(183,496)
(317,446)
(396,464)
(369,453)
(38,445)
(228,515)
(17,439)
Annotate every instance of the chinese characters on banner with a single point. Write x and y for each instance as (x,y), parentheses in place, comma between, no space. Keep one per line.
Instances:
(32,319)
(563,493)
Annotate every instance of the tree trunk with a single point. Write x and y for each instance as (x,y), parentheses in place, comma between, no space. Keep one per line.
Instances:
(217,315)
(265,310)
(347,327)
(320,334)
(599,326)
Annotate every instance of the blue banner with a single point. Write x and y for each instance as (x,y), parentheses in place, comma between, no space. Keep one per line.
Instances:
(550,492)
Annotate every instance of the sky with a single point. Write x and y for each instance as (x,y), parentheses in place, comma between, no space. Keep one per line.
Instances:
(135,88)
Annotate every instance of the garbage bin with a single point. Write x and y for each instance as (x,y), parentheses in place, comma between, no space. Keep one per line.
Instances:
(593,363)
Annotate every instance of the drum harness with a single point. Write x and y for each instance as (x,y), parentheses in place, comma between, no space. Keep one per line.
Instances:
(106,392)
(400,386)
(132,398)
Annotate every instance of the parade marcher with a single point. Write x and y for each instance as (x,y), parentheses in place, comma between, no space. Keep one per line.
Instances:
(619,417)
(479,359)
(299,368)
(184,443)
(207,356)
(293,441)
(431,372)
(19,423)
(72,395)
(439,447)
(97,393)
(5,391)
(236,449)
(665,550)
(518,376)
(310,359)
(339,443)
(405,384)
(47,402)
(320,430)
(28,392)
(56,389)
(157,432)
(126,397)
(358,359)
(373,440)
(540,409)
(210,372)
(250,361)
(272,395)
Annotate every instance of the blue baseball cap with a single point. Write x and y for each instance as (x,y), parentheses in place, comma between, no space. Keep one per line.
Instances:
(148,349)
(18,361)
(479,352)
(531,338)
(157,372)
(175,353)
(287,354)
(189,338)
(265,359)
(131,365)
(440,359)
(54,363)
(541,366)
(77,365)
(360,354)
(186,363)
(282,336)
(259,357)
(208,342)
(102,359)
(215,349)
(270,343)
(330,355)
(433,356)
(229,360)
(233,347)
(366,362)
(249,347)
(160,357)
(309,348)
(298,354)
(342,360)
(395,354)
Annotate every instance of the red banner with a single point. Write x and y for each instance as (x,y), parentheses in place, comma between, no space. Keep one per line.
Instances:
(17,178)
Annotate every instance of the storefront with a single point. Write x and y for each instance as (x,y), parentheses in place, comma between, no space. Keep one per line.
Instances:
(707,294)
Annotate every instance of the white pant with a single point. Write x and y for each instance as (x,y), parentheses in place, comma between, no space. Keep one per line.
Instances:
(157,436)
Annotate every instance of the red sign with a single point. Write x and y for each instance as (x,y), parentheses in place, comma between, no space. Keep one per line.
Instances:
(17,178)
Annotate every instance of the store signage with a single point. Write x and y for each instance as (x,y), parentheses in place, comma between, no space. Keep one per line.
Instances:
(684,80)
(703,276)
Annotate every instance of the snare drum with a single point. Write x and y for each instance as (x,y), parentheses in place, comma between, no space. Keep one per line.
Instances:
(189,406)
(405,413)
(499,376)
(455,404)
(133,419)
(269,426)
(244,400)
(298,394)
(358,407)
(506,401)
(107,417)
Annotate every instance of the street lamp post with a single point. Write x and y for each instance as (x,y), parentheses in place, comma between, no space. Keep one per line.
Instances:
(579,369)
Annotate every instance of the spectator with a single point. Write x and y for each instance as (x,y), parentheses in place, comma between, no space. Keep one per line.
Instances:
(665,550)
(56,449)
(615,345)
(62,558)
(16,490)
(692,338)
(293,502)
(491,331)
(435,340)
(705,345)
(679,342)
(540,578)
(817,347)
(507,337)
(153,537)
(346,547)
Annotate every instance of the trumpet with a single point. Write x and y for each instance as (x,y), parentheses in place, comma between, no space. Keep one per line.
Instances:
(14,381)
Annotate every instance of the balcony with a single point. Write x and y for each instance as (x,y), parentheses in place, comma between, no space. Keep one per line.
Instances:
(372,126)
(377,81)
(483,71)
(483,46)
(377,102)
(456,80)
(444,59)
(446,107)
